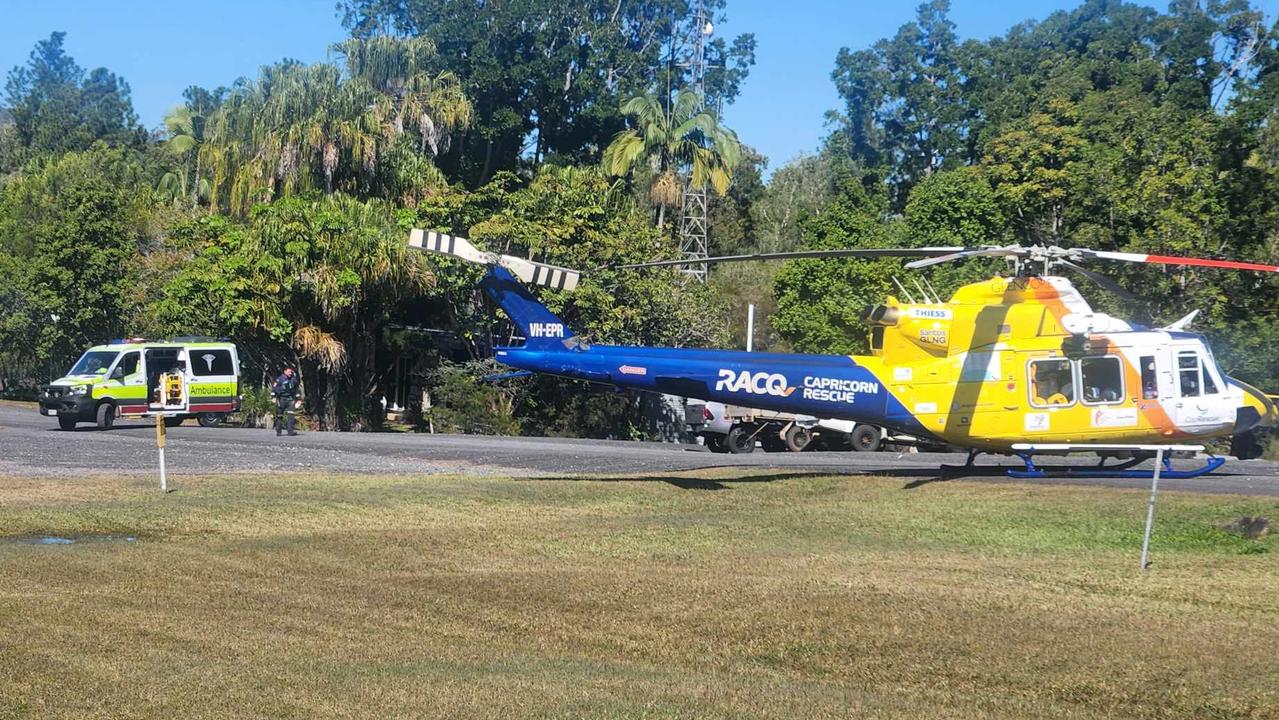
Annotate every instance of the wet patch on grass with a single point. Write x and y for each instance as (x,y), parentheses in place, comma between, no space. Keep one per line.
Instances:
(58,540)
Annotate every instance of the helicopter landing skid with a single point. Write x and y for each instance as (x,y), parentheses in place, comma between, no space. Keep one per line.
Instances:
(1121,470)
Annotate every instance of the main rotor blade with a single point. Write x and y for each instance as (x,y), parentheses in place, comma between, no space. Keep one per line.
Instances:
(1173,260)
(1101,280)
(458,247)
(1011,250)
(529,271)
(799,254)
(560,278)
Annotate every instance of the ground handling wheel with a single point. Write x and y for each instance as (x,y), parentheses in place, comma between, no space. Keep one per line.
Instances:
(865,438)
(741,439)
(797,438)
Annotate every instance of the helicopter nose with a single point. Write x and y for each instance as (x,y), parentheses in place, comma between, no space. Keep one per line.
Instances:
(1256,410)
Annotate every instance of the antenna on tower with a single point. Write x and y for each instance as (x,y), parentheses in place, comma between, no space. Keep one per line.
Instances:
(692,230)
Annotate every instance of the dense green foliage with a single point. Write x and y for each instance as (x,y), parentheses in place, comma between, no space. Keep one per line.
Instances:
(56,107)
(1110,126)
(274,210)
(70,237)
(548,76)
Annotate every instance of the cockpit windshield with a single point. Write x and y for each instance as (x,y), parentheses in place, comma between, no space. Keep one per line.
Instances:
(93,363)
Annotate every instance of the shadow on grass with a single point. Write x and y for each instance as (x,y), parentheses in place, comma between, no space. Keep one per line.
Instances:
(693,483)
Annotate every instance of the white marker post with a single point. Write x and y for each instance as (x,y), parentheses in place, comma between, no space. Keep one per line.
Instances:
(159,443)
(750,327)
(1150,510)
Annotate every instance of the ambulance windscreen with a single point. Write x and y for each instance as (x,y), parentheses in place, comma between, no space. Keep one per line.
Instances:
(94,362)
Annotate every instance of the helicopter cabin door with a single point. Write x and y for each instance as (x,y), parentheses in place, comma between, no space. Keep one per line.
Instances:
(1198,402)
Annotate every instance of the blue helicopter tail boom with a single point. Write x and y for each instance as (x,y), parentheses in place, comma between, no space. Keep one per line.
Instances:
(833,386)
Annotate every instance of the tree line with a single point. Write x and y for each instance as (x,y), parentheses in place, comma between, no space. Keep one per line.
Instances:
(274,210)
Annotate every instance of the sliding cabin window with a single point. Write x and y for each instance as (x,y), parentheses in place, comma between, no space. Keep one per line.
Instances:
(1052,383)
(1193,378)
(1188,374)
(1103,380)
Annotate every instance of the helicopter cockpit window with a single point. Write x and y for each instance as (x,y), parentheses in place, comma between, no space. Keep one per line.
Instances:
(1210,387)
(1052,383)
(1103,380)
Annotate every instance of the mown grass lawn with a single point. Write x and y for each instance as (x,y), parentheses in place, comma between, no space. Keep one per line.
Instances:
(713,595)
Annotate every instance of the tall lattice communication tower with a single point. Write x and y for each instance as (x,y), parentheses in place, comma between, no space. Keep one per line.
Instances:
(692,229)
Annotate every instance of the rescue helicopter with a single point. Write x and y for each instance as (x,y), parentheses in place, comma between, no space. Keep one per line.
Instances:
(1014,365)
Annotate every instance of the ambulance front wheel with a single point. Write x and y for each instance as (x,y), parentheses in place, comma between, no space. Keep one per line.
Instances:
(106,416)
(66,422)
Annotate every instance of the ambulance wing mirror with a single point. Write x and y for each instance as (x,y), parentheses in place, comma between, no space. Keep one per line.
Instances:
(118,373)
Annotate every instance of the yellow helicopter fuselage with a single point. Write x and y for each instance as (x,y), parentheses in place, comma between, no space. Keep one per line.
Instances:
(1017,360)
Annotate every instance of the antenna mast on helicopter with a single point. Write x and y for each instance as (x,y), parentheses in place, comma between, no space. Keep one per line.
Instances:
(692,230)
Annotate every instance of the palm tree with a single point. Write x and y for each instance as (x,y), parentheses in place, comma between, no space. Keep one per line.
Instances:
(400,70)
(185,128)
(294,129)
(669,139)
(303,127)
(342,261)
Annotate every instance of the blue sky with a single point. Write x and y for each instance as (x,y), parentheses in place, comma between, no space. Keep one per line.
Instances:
(161,48)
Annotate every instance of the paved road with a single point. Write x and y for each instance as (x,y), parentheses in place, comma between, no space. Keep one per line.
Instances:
(32,445)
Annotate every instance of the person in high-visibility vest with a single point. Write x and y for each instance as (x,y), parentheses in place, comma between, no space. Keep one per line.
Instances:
(286,393)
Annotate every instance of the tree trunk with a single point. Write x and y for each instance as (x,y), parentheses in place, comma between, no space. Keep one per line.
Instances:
(488,162)
(329,413)
(195,183)
(661,216)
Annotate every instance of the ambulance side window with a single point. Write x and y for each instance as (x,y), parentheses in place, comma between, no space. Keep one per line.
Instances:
(1103,379)
(1051,383)
(129,364)
(210,362)
(1149,381)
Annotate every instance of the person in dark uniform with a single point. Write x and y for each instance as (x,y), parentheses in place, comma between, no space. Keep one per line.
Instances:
(285,393)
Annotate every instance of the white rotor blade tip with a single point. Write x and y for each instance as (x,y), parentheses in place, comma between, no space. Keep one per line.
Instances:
(458,247)
(538,273)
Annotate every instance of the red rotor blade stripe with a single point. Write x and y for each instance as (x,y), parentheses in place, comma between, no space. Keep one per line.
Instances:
(1202,262)
(1173,260)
